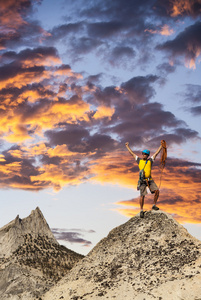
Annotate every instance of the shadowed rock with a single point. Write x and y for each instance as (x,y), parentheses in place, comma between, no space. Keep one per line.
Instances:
(31,259)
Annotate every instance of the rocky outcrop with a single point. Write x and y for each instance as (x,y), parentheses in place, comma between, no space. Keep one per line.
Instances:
(31,259)
(150,258)
(12,235)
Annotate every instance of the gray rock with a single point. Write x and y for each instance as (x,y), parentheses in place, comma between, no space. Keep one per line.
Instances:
(31,259)
(150,258)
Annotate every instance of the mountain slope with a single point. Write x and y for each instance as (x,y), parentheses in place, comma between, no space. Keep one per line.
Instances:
(31,260)
(150,258)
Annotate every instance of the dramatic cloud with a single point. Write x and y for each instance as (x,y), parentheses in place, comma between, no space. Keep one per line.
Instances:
(164,30)
(185,7)
(63,127)
(193,94)
(196,110)
(60,32)
(81,125)
(192,97)
(177,199)
(187,44)
(16,26)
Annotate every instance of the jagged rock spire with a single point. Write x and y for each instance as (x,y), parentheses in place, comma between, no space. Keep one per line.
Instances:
(12,234)
(31,260)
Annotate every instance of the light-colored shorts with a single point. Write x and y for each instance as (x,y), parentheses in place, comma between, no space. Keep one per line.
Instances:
(151,185)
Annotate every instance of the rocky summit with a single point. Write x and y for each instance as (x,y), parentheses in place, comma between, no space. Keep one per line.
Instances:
(31,259)
(150,258)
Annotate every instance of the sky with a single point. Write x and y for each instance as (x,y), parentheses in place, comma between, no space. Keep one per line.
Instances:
(79,79)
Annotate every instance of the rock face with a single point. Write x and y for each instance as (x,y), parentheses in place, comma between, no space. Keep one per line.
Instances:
(150,258)
(31,259)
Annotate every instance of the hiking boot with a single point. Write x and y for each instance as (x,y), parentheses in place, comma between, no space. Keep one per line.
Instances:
(142,214)
(154,207)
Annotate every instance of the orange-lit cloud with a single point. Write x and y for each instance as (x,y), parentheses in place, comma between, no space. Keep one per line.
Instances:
(180,7)
(10,15)
(191,62)
(29,106)
(65,70)
(41,60)
(165,30)
(46,117)
(179,192)
(185,210)
(20,134)
(51,115)
(186,45)
(16,27)
(59,177)
(104,112)
(29,76)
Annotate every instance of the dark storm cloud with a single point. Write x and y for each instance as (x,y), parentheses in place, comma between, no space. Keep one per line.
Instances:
(19,169)
(46,160)
(135,119)
(85,44)
(135,9)
(94,79)
(117,31)
(115,10)
(28,63)
(17,26)
(100,143)
(70,236)
(192,96)
(139,89)
(14,94)
(72,135)
(64,68)
(187,43)
(193,93)
(196,111)
(176,8)
(165,69)
(177,137)
(118,28)
(187,165)
(30,54)
(134,123)
(16,172)
(78,139)
(60,32)
(105,29)
(186,133)
(122,56)
(13,69)
(105,96)
(119,52)
(28,112)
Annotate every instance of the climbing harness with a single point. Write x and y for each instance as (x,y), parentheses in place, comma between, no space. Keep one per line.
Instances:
(141,176)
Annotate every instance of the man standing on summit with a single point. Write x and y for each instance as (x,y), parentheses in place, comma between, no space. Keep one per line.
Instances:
(145,179)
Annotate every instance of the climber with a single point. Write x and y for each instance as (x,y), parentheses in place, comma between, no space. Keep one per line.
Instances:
(145,179)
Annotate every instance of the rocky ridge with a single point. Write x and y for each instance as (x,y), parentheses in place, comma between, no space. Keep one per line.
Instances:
(150,258)
(31,259)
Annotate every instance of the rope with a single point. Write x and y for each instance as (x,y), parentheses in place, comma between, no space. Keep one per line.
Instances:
(163,159)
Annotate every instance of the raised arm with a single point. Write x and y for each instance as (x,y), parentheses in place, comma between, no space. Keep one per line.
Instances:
(157,151)
(129,149)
